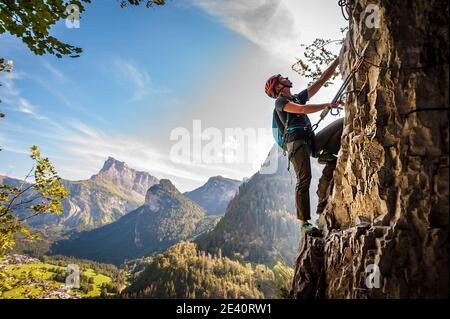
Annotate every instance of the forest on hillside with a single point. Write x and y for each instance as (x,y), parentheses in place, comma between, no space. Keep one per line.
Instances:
(183,272)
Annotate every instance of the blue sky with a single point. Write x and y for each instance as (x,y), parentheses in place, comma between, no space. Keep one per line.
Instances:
(142,73)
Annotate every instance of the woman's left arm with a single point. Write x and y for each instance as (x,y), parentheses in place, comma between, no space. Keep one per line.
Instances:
(326,75)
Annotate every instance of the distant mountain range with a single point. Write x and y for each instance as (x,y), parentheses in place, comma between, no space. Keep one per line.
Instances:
(215,194)
(117,190)
(122,222)
(260,223)
(102,199)
(166,218)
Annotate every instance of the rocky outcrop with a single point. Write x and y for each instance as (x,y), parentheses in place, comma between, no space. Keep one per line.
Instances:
(215,194)
(386,220)
(117,176)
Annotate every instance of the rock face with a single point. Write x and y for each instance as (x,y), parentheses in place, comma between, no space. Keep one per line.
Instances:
(386,229)
(215,194)
(117,175)
(89,205)
(166,218)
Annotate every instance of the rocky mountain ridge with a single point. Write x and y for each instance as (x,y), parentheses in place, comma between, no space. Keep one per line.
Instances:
(215,194)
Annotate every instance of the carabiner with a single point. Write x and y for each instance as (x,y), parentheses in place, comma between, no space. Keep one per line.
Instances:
(334,114)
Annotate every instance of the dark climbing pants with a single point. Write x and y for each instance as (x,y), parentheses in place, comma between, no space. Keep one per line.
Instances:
(329,140)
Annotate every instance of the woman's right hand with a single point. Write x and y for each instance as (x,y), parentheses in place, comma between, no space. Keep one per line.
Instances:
(335,105)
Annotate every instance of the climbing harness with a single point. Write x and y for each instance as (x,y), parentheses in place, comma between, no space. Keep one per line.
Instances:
(339,94)
(306,131)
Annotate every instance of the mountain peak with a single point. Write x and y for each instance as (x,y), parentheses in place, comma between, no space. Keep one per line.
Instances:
(111,162)
(221,179)
(167,185)
(215,194)
(155,192)
(216,177)
(127,181)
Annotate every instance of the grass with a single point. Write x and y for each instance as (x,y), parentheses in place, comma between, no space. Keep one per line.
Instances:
(41,272)
(99,279)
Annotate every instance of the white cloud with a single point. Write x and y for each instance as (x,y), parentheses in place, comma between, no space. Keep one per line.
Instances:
(12,98)
(279,27)
(7,82)
(136,79)
(275,30)
(266,23)
(57,73)
(86,148)
(25,106)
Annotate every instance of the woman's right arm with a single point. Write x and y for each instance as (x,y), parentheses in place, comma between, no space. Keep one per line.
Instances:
(292,107)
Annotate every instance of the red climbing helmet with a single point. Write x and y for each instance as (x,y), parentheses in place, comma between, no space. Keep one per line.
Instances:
(270,86)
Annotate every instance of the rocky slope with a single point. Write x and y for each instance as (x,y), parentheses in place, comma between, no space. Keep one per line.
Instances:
(386,233)
(215,194)
(167,217)
(121,179)
(108,195)
(260,222)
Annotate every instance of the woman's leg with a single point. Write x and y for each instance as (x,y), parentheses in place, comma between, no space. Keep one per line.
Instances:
(302,166)
(325,186)
(329,139)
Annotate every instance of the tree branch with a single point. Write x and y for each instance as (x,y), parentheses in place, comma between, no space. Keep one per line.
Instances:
(14,198)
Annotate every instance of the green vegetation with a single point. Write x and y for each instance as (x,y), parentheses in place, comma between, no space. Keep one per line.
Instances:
(38,248)
(88,205)
(104,188)
(31,21)
(117,275)
(317,58)
(35,279)
(95,199)
(47,192)
(185,272)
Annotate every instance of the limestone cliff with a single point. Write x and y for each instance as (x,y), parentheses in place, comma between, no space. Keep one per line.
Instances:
(389,203)
(215,194)
(122,179)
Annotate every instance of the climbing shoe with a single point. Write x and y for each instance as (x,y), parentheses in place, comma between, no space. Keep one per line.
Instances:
(307,228)
(320,222)
(325,158)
